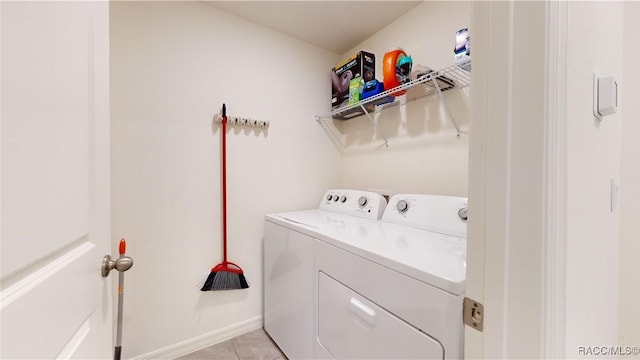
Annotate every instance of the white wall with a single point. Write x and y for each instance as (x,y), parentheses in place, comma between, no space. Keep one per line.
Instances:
(629,180)
(594,44)
(172,66)
(423,155)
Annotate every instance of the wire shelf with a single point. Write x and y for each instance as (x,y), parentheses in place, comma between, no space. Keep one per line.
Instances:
(434,82)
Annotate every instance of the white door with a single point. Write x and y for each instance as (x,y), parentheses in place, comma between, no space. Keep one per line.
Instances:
(55,215)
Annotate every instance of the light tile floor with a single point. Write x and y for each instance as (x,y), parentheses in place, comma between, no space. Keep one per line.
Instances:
(254,345)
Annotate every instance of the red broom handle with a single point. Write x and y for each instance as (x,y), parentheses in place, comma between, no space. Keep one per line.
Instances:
(224,183)
(123,247)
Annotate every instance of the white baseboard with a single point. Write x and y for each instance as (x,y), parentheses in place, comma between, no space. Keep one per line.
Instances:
(205,340)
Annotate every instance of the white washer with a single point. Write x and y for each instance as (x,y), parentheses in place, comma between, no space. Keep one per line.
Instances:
(290,293)
(378,289)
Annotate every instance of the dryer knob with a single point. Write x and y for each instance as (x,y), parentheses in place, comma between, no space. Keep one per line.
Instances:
(336,198)
(402,206)
(362,201)
(343,198)
(329,197)
(462,213)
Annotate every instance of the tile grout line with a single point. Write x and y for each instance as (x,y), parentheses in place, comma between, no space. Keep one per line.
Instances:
(255,348)
(235,350)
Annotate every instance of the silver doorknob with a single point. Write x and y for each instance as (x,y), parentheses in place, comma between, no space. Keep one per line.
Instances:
(121,264)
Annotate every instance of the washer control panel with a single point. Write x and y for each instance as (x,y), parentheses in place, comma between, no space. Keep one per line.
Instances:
(367,204)
(442,214)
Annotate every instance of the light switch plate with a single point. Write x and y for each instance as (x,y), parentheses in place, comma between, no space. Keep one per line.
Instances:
(605,96)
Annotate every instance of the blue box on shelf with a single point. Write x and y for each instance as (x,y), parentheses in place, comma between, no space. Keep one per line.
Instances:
(372,88)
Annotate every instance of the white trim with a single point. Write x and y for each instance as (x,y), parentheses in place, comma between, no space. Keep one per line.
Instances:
(76,340)
(1,101)
(30,281)
(200,342)
(476,230)
(507,181)
(555,191)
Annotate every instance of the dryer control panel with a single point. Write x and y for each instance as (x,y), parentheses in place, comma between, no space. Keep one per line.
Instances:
(366,204)
(442,214)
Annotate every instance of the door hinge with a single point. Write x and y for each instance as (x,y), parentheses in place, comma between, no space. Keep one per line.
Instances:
(473,314)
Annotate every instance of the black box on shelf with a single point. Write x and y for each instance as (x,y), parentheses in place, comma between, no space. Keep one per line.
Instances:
(352,112)
(362,64)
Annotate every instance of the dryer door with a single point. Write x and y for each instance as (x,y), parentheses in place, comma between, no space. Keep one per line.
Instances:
(352,327)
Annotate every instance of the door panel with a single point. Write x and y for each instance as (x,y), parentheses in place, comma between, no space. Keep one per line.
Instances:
(45,144)
(54,143)
(45,307)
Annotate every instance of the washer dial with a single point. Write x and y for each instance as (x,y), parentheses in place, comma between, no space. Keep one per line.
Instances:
(362,201)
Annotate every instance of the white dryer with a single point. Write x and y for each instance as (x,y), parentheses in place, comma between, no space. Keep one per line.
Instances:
(394,289)
(290,276)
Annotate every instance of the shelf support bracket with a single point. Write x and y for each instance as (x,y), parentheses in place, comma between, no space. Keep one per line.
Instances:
(375,126)
(446,106)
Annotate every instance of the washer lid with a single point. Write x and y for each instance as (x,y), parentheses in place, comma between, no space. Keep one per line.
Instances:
(316,221)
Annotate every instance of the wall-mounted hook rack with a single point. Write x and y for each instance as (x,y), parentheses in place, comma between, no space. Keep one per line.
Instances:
(242,121)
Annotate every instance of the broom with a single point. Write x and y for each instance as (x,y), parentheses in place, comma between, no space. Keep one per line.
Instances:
(226,275)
